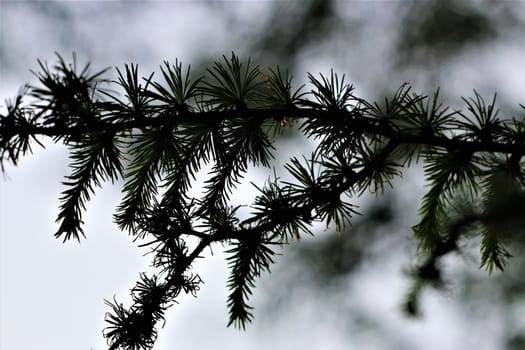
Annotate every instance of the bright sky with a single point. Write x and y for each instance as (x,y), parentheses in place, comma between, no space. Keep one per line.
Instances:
(52,294)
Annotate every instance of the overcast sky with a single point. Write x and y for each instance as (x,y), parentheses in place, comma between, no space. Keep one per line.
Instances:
(52,294)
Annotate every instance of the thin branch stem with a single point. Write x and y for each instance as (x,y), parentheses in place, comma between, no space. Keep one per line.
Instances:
(359,124)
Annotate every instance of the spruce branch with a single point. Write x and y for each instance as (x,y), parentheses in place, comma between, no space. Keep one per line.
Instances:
(154,152)
(67,97)
(15,138)
(167,132)
(448,173)
(249,257)
(95,159)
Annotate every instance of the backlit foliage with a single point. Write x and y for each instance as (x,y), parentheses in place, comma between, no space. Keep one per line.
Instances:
(157,135)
